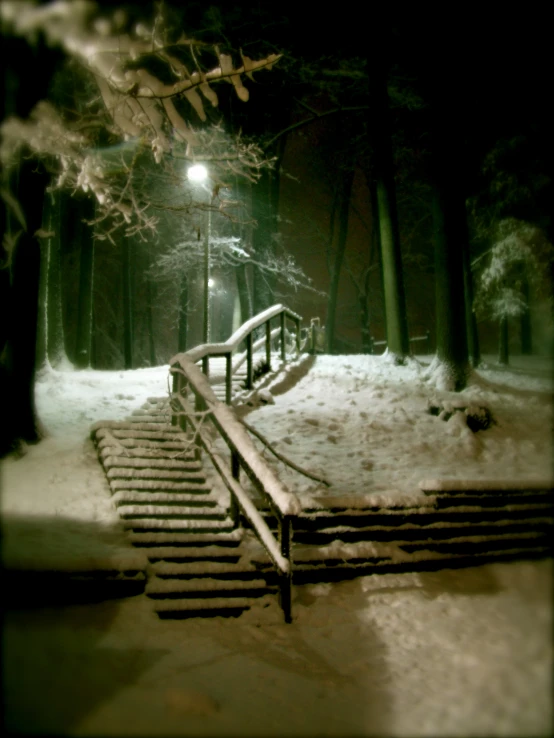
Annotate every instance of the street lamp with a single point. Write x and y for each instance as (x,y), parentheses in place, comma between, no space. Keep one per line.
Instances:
(198,174)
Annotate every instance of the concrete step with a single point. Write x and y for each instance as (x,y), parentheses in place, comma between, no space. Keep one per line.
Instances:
(409,532)
(214,607)
(311,573)
(176,444)
(195,554)
(204,569)
(204,588)
(155,485)
(147,453)
(160,540)
(181,475)
(154,525)
(142,497)
(170,512)
(126,462)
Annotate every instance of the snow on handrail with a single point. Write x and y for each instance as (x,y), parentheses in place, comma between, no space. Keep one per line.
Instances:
(237,438)
(231,344)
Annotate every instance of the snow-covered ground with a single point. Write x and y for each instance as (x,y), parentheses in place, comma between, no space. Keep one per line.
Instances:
(458,653)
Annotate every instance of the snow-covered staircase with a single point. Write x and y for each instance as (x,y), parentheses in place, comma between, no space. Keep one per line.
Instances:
(199,562)
(202,564)
(452,527)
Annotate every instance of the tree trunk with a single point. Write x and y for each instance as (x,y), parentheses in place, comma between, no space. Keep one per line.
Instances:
(393,283)
(474,349)
(86,268)
(57,354)
(343,206)
(127,305)
(245,298)
(448,176)
(265,210)
(41,359)
(503,352)
(525,322)
(448,214)
(150,324)
(18,352)
(183,313)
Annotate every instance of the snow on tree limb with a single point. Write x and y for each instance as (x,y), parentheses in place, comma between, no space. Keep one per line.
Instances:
(149,85)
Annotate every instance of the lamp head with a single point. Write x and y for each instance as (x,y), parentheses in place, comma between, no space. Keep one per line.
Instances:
(197,173)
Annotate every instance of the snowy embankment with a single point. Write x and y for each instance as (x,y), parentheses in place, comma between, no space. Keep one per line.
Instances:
(357,420)
(364,424)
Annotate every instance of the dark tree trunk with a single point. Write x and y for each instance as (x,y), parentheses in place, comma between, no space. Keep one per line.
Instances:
(393,283)
(363,299)
(245,298)
(449,186)
(86,268)
(265,210)
(525,322)
(474,349)
(183,313)
(127,304)
(18,352)
(503,352)
(41,358)
(448,214)
(150,323)
(343,207)
(57,354)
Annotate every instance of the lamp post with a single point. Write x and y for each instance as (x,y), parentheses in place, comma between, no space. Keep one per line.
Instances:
(199,174)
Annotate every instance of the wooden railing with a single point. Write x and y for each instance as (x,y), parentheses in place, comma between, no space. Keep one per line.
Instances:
(187,377)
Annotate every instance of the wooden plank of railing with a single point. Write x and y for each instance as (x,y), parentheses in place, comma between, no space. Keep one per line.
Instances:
(283,345)
(237,439)
(279,551)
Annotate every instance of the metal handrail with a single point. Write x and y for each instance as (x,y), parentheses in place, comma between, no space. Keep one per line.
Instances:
(244,455)
(245,333)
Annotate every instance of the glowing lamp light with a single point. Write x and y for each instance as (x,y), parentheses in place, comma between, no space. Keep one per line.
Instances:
(197,173)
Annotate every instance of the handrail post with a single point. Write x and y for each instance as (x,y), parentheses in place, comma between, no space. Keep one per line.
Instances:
(268,344)
(249,367)
(234,510)
(206,365)
(228,378)
(283,347)
(286,579)
(175,390)
(297,324)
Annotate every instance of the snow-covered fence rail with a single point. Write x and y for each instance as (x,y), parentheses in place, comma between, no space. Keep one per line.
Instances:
(245,333)
(244,455)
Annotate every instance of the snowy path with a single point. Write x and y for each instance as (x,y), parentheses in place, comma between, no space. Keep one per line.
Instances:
(452,653)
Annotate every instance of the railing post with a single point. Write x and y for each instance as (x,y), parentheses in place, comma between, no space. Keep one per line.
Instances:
(297,324)
(228,377)
(283,347)
(175,390)
(234,510)
(206,365)
(249,367)
(286,579)
(268,343)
